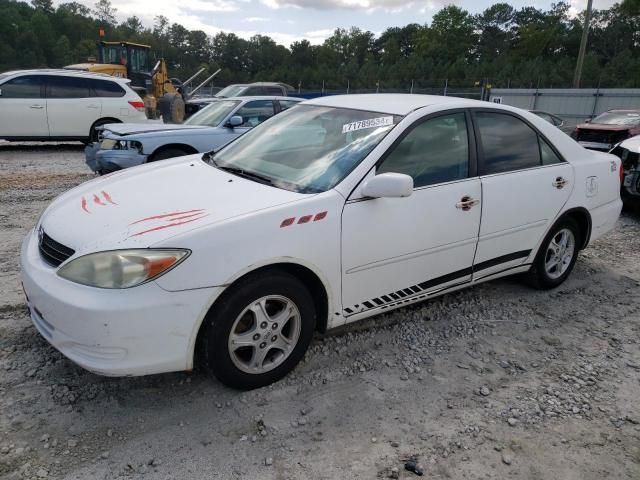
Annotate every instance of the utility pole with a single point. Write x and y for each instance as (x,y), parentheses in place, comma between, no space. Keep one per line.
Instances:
(583,45)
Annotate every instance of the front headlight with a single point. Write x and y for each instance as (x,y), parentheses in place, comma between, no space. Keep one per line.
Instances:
(122,268)
(111,144)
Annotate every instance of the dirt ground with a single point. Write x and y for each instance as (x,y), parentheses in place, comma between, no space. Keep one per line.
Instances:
(495,382)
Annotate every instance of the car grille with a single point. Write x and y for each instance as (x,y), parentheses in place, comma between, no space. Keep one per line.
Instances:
(601,136)
(54,253)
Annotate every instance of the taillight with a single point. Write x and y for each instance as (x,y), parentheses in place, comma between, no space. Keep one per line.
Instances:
(621,174)
(137,104)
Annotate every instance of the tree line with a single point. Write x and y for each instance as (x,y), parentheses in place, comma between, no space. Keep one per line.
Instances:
(502,45)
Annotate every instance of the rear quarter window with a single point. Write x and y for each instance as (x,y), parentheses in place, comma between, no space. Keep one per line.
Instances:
(106,88)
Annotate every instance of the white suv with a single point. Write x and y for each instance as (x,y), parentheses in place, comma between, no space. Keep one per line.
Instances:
(63,105)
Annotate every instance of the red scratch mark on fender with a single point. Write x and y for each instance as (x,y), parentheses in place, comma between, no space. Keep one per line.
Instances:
(155,217)
(96,199)
(107,197)
(174,224)
(84,205)
(173,219)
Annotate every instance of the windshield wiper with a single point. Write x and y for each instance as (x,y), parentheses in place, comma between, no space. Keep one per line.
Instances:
(209,158)
(249,175)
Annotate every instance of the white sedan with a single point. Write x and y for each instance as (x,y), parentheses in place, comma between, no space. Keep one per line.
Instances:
(336,210)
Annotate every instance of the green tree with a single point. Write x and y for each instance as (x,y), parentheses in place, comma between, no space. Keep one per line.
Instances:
(105,12)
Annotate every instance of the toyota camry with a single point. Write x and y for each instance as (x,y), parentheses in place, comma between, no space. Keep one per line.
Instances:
(338,209)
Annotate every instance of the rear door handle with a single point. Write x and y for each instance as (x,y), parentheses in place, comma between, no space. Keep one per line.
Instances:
(559,183)
(466,203)
(37,107)
(93,106)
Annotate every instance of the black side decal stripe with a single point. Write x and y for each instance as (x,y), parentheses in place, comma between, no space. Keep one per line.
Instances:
(503,259)
(434,282)
(400,295)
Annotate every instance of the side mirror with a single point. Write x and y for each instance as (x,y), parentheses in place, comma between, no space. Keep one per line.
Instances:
(235,121)
(388,185)
(588,120)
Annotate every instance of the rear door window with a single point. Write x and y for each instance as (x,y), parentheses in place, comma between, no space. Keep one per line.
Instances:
(506,142)
(287,104)
(67,87)
(252,92)
(26,86)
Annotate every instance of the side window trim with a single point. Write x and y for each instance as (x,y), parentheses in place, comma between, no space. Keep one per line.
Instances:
(472,147)
(480,152)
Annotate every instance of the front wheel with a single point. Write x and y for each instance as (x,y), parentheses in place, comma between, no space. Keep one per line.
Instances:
(258,331)
(557,255)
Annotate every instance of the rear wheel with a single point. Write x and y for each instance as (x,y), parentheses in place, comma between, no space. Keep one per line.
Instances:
(557,255)
(258,331)
(94,134)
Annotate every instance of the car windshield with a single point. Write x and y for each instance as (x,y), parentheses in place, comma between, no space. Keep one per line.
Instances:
(213,114)
(307,148)
(230,91)
(618,118)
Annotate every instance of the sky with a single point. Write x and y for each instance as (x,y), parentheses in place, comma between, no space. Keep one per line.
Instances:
(289,20)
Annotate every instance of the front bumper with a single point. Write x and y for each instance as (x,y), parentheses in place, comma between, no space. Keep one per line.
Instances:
(137,331)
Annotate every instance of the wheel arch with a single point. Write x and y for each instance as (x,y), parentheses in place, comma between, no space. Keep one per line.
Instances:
(307,275)
(103,120)
(583,218)
(188,149)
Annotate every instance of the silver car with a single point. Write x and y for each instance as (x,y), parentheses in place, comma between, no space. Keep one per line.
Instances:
(126,145)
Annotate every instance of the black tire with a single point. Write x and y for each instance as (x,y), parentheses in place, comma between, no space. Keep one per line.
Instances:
(93,133)
(216,329)
(168,153)
(171,106)
(538,277)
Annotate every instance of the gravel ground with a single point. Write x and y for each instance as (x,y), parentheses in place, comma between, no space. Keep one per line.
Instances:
(498,381)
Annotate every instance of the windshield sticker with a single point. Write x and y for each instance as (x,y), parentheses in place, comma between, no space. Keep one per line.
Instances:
(371,123)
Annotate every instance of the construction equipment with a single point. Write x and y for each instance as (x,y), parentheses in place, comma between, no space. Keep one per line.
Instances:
(163,96)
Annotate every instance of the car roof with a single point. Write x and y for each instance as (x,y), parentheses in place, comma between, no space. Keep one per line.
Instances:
(67,73)
(253,97)
(632,144)
(394,103)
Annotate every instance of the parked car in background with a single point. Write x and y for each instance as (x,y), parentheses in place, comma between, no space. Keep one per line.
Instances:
(64,104)
(608,129)
(126,145)
(629,152)
(335,210)
(239,90)
(554,120)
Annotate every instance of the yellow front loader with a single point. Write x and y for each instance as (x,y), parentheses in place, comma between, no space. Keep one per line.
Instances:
(163,96)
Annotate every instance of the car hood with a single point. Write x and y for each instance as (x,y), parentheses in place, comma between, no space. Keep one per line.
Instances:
(141,206)
(124,129)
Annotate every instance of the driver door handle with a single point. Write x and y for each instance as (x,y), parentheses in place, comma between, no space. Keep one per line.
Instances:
(466,203)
